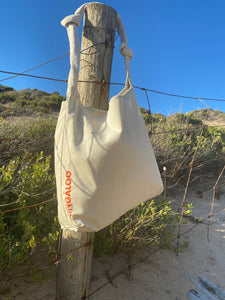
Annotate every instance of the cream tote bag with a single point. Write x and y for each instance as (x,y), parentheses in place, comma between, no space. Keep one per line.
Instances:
(104,162)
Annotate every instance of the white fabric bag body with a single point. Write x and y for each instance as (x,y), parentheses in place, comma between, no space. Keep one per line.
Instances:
(104,161)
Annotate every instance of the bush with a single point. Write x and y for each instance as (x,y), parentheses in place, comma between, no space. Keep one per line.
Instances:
(5,88)
(36,100)
(5,98)
(21,128)
(175,140)
(144,225)
(27,181)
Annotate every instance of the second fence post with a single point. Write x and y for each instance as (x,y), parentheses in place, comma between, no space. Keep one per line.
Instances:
(95,65)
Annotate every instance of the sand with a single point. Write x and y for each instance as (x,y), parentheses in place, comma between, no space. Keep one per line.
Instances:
(163,275)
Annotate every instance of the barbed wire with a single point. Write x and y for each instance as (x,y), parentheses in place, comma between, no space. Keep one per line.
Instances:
(116,83)
(36,67)
(98,28)
(187,129)
(123,269)
(127,267)
(28,269)
(27,138)
(28,206)
(131,266)
(52,137)
(203,220)
(34,76)
(146,90)
(176,130)
(96,51)
(26,194)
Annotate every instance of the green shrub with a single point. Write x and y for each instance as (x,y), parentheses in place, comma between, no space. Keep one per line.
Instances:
(147,224)
(22,128)
(35,100)
(5,98)
(175,140)
(27,181)
(5,88)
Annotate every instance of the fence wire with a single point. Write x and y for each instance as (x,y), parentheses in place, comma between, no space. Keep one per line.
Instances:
(126,267)
(119,84)
(180,234)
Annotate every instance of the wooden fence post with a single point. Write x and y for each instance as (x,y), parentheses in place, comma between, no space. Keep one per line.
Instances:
(95,65)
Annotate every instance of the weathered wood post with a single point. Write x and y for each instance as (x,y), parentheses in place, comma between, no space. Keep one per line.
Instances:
(95,65)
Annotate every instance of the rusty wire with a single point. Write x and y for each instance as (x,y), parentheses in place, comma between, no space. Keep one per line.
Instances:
(28,206)
(59,256)
(36,67)
(52,137)
(131,266)
(126,267)
(120,84)
(97,51)
(27,138)
(98,28)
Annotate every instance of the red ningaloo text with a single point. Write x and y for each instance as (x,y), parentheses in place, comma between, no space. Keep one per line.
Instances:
(68,193)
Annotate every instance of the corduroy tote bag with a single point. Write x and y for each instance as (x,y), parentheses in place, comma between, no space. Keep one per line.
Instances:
(104,161)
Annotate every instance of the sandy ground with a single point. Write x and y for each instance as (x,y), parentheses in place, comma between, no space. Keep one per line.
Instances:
(163,275)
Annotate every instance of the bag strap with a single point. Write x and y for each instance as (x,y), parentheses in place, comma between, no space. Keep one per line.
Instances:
(124,49)
(71,23)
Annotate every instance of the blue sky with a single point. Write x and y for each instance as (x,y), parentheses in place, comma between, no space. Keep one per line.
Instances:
(179,48)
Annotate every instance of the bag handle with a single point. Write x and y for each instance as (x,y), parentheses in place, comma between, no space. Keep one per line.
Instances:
(124,49)
(71,23)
